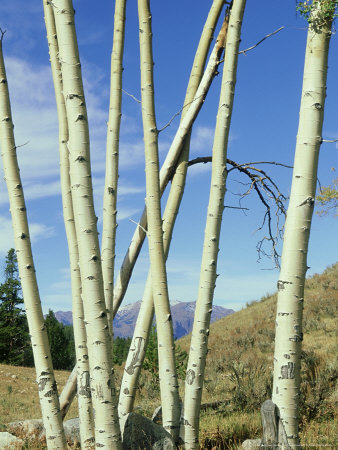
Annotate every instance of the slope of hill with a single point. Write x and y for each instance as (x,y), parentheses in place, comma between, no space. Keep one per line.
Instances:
(124,322)
(240,361)
(238,373)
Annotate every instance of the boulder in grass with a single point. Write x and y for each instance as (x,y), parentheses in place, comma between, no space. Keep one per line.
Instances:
(251,444)
(142,433)
(32,427)
(8,440)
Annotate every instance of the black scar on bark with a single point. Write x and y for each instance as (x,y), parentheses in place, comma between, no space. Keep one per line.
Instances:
(190,376)
(139,344)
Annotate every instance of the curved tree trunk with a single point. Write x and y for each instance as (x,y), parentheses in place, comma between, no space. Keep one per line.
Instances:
(166,355)
(145,318)
(286,385)
(80,337)
(166,172)
(107,431)
(112,158)
(200,332)
(48,394)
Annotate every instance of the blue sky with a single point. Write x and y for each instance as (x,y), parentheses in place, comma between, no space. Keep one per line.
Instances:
(264,128)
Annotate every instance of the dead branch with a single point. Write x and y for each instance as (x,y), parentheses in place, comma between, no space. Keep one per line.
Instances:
(259,42)
(267,191)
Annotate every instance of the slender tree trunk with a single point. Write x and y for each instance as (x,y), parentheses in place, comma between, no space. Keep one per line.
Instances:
(80,337)
(113,137)
(166,172)
(107,432)
(289,335)
(166,355)
(200,332)
(48,394)
(145,318)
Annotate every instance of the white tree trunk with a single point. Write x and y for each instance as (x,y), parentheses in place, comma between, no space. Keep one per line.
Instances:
(80,337)
(48,394)
(166,171)
(112,158)
(166,355)
(145,318)
(286,385)
(107,432)
(200,332)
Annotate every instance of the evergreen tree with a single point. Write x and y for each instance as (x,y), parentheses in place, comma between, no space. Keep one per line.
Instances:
(61,343)
(14,336)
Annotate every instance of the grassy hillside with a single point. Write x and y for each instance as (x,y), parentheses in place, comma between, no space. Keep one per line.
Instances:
(239,372)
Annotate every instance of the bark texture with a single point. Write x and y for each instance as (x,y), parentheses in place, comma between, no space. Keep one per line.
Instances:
(48,394)
(289,335)
(112,158)
(145,318)
(107,432)
(166,354)
(200,332)
(80,337)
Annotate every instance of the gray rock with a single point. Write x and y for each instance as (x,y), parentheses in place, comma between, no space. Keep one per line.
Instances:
(7,440)
(33,427)
(72,430)
(142,433)
(251,444)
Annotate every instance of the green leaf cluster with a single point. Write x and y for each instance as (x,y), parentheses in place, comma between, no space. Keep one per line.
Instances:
(327,10)
(327,199)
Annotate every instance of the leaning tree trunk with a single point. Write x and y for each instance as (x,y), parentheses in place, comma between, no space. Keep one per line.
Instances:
(166,354)
(145,318)
(48,394)
(286,385)
(166,172)
(80,337)
(200,332)
(112,158)
(107,431)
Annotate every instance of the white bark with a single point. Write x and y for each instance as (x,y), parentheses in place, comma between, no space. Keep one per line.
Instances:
(286,389)
(145,318)
(113,136)
(48,394)
(200,332)
(166,355)
(107,432)
(168,167)
(80,338)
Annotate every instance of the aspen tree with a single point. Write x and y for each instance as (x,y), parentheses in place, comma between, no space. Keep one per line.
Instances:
(107,432)
(80,338)
(167,366)
(48,394)
(113,136)
(200,332)
(145,318)
(289,335)
(166,172)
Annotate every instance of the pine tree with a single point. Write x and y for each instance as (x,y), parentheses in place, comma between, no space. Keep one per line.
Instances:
(61,343)
(15,347)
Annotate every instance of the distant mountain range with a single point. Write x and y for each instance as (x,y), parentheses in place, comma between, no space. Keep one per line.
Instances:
(124,322)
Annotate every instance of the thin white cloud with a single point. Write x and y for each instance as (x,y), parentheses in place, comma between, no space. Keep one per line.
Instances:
(38,231)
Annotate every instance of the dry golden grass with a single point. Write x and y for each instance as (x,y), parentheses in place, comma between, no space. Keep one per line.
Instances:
(241,348)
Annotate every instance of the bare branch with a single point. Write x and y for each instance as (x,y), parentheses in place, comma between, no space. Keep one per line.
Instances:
(259,42)
(267,191)
(330,141)
(177,114)
(132,96)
